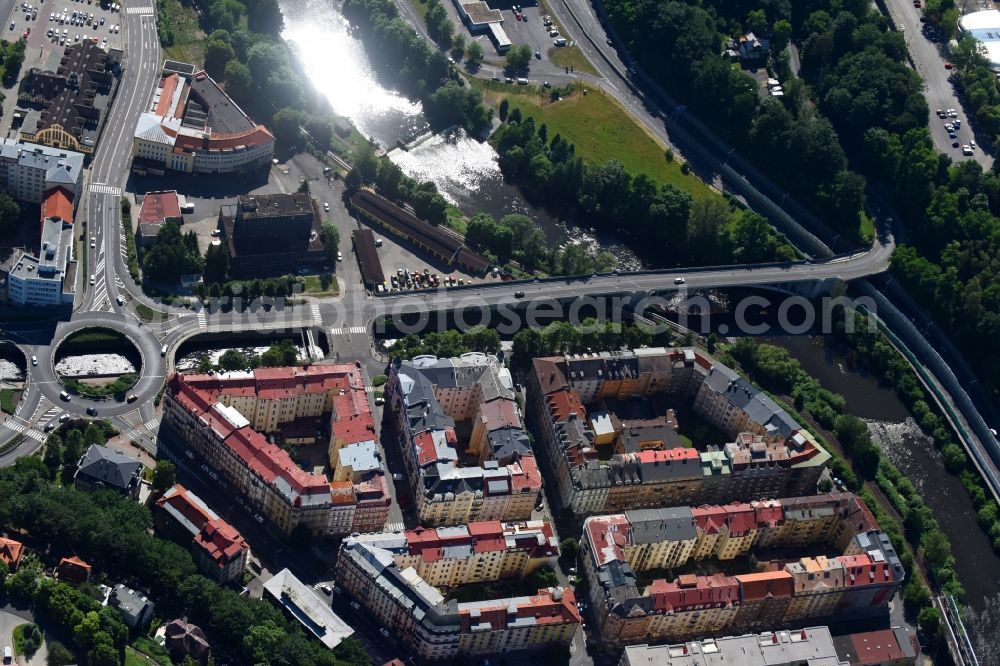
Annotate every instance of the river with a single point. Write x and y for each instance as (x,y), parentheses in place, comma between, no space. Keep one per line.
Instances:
(466,171)
(902,442)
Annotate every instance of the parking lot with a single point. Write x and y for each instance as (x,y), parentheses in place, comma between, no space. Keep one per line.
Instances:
(58,23)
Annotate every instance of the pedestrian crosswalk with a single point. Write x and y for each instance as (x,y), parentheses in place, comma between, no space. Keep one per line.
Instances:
(314,309)
(139,10)
(394,527)
(17,425)
(101,188)
(354,330)
(152,424)
(202,319)
(35,435)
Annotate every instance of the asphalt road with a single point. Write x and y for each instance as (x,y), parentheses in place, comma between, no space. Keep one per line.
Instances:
(929,59)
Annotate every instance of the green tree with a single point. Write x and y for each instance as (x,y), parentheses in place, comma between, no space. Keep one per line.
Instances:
(929,620)
(936,549)
(474,54)
(217,55)
(53,457)
(238,79)
(164,475)
(74,447)
(570,549)
(93,435)
(10,215)
(756,22)
(58,654)
(216,263)
(518,58)
(233,359)
(285,124)
(330,236)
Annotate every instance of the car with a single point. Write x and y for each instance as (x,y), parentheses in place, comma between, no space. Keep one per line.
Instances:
(546,84)
(189,453)
(378,242)
(340,255)
(508,80)
(48,33)
(93,242)
(397,477)
(8,655)
(518,294)
(522,81)
(132,397)
(572,570)
(554,32)
(77,38)
(679,280)
(92,411)
(972,143)
(326,206)
(65,397)
(967,150)
(917,4)
(954,144)
(538,54)
(355,605)
(957,123)
(326,589)
(63,418)
(948,65)
(948,127)
(952,135)
(259,518)
(610,43)
(102,20)
(383,631)
(952,113)
(34,360)
(92,280)
(49,427)
(11,25)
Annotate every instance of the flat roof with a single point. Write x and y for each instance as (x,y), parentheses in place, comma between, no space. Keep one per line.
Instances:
(984,27)
(312,611)
(159,206)
(479,13)
(224,117)
(371,265)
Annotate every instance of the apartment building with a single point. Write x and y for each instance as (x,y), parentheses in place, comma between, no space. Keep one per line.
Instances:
(219,549)
(436,628)
(224,418)
(28,170)
(474,553)
(813,646)
(490,472)
(616,547)
(610,438)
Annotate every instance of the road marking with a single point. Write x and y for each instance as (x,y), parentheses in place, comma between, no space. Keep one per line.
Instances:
(202,319)
(139,10)
(16,425)
(152,424)
(394,527)
(35,435)
(101,188)
(314,308)
(355,330)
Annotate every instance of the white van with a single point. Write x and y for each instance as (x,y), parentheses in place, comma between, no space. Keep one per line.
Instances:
(163,350)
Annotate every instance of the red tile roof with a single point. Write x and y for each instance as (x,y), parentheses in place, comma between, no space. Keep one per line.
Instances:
(159,206)
(168,84)
(688,591)
(497,414)
(11,552)
(740,517)
(564,402)
(58,202)
(221,541)
(875,647)
(678,453)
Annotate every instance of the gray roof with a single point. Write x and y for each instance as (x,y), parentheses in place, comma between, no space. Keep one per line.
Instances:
(802,647)
(509,443)
(109,467)
(656,525)
(128,601)
(305,605)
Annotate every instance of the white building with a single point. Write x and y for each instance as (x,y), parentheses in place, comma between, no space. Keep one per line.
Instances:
(45,280)
(984,27)
(28,170)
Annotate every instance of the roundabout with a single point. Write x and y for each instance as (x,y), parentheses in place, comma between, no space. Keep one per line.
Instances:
(151,371)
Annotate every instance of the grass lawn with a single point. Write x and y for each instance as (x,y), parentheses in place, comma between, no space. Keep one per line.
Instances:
(456,220)
(150,648)
(19,638)
(320,285)
(7,401)
(189,40)
(601,129)
(571,56)
(421,7)
(867,229)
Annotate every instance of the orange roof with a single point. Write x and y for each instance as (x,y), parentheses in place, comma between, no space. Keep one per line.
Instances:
(58,203)
(168,85)
(758,586)
(159,206)
(221,541)
(11,552)
(564,402)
